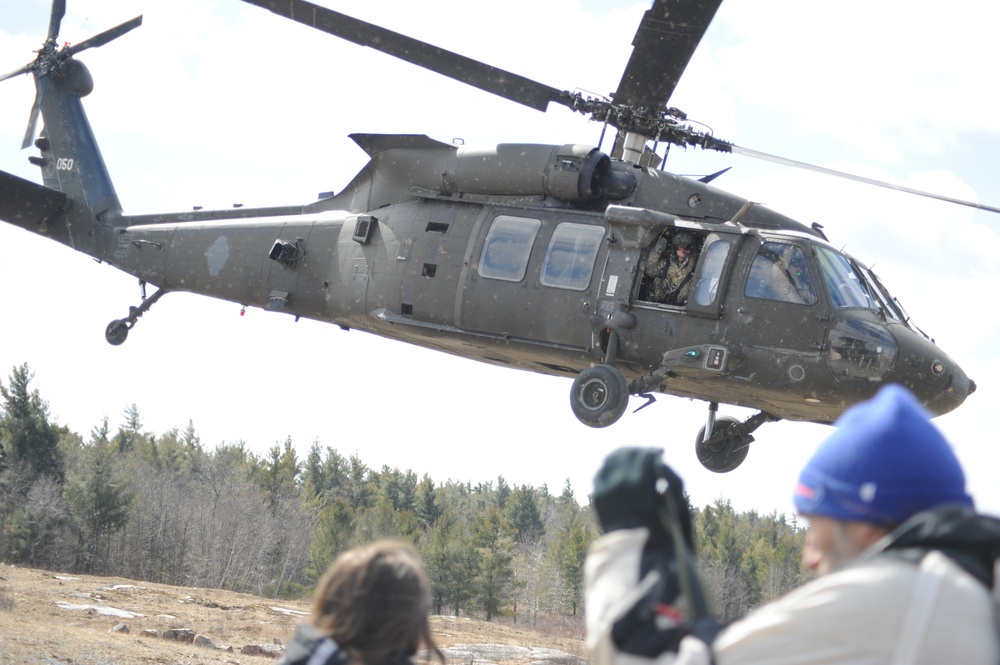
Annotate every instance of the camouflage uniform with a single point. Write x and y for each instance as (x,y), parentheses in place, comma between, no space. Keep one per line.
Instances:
(668,275)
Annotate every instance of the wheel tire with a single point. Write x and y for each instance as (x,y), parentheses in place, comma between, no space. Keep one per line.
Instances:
(726,455)
(599,396)
(116,333)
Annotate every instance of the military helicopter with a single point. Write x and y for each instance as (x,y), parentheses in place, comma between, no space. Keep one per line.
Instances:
(524,256)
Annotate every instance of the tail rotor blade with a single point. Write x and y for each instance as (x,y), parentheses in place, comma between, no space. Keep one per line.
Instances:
(29,134)
(58,11)
(49,59)
(18,72)
(104,37)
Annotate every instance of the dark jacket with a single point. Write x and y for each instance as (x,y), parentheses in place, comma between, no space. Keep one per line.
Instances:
(310,647)
(969,539)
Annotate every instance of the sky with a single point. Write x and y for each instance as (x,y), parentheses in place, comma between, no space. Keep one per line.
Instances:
(215,102)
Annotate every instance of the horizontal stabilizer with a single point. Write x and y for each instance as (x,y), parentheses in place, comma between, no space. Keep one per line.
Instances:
(27,204)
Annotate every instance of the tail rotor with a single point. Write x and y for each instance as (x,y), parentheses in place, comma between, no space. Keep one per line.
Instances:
(50,60)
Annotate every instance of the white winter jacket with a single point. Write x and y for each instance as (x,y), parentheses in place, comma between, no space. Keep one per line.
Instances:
(884,610)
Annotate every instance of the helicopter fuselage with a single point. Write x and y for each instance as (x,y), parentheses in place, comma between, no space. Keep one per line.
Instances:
(529,281)
(533,257)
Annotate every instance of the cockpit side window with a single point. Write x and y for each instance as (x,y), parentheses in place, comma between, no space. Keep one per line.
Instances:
(780,272)
(569,261)
(844,285)
(508,247)
(713,263)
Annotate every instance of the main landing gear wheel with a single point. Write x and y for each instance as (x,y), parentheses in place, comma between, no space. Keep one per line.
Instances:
(599,396)
(117,332)
(726,449)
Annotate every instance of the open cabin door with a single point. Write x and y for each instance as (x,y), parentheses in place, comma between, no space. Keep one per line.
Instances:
(647,328)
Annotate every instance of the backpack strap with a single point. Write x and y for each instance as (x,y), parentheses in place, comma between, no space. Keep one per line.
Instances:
(918,613)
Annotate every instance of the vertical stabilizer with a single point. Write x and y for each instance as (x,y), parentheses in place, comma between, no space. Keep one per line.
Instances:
(70,161)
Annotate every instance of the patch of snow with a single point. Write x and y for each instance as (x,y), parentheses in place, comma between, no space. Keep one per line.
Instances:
(284,610)
(118,587)
(100,609)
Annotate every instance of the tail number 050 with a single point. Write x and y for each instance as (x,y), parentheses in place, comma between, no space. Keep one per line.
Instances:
(64,164)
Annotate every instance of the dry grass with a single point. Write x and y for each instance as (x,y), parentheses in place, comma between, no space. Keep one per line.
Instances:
(37,627)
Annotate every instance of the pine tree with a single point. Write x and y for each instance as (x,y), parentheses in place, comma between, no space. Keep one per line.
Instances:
(278,472)
(333,533)
(570,551)
(494,542)
(100,499)
(502,493)
(26,433)
(451,561)
(359,488)
(428,509)
(130,433)
(523,515)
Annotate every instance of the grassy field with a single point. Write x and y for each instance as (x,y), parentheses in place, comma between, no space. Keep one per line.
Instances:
(52,618)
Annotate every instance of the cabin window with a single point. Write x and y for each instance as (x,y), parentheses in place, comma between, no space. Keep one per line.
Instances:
(707,288)
(508,246)
(569,261)
(780,272)
(842,282)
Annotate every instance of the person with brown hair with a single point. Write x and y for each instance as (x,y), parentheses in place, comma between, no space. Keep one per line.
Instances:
(370,608)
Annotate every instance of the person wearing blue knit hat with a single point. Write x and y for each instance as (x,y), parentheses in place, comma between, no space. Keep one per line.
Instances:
(904,564)
(884,463)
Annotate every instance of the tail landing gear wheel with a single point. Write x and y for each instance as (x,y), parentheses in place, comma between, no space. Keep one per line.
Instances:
(599,396)
(117,332)
(726,449)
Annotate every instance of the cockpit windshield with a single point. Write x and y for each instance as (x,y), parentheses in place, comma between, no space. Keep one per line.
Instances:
(845,285)
(890,306)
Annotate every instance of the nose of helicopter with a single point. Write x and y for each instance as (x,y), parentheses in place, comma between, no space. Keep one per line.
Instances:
(929,373)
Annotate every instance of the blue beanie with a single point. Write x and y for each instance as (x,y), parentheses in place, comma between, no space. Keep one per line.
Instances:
(885,462)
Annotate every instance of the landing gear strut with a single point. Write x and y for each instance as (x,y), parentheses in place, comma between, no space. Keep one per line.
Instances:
(117,331)
(723,443)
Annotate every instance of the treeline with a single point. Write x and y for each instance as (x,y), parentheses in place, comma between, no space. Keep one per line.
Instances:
(163,508)
(747,559)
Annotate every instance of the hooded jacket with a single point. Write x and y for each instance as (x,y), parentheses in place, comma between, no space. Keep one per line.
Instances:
(921,596)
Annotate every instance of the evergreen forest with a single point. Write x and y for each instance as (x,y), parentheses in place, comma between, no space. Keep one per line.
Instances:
(164,508)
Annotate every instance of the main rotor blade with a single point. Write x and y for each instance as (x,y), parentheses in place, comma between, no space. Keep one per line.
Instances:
(850,176)
(663,45)
(510,86)
(58,11)
(26,204)
(104,37)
